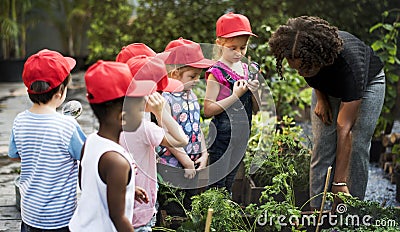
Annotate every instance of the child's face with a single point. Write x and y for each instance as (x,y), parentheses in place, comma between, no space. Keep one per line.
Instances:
(234,48)
(132,113)
(189,77)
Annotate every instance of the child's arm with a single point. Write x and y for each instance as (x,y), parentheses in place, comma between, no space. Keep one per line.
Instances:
(213,107)
(12,149)
(253,86)
(114,171)
(188,164)
(202,161)
(174,135)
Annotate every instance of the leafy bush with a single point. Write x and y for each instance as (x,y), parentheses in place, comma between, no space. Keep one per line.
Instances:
(277,153)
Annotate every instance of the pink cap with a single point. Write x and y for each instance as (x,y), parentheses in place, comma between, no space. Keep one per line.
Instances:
(186,52)
(231,25)
(109,80)
(132,50)
(152,68)
(48,66)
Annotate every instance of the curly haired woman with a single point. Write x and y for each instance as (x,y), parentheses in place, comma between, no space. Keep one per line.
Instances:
(348,92)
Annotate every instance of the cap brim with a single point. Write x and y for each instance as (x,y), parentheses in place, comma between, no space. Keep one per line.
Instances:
(173,86)
(237,33)
(142,88)
(162,56)
(71,62)
(204,63)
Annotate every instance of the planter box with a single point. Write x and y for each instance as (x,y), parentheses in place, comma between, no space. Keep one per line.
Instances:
(252,194)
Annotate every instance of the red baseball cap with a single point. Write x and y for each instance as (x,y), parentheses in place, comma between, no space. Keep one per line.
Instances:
(231,25)
(132,50)
(186,52)
(48,66)
(109,80)
(153,68)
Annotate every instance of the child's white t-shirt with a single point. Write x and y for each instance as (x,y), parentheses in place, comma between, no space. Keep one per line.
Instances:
(92,213)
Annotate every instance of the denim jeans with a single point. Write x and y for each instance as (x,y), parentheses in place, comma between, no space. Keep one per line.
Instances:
(228,149)
(28,228)
(325,137)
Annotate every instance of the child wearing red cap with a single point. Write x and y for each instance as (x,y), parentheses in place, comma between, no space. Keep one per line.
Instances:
(230,99)
(48,145)
(132,50)
(107,176)
(142,142)
(185,62)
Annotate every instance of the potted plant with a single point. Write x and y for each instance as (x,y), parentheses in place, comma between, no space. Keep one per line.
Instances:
(386,48)
(282,152)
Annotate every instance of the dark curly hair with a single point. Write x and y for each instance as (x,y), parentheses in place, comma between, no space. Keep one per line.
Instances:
(311,39)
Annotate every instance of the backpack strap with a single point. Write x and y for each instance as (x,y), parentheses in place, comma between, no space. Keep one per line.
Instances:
(226,75)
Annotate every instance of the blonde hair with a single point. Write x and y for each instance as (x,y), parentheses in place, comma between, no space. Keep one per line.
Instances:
(221,41)
(179,69)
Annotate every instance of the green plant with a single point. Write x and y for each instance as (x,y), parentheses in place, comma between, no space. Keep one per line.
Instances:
(227,215)
(386,48)
(272,211)
(279,151)
(372,216)
(109,30)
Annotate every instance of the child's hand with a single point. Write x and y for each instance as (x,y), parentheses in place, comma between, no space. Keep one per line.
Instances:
(239,88)
(190,171)
(202,161)
(155,104)
(141,195)
(253,85)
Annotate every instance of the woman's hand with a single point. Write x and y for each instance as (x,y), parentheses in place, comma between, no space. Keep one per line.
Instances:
(323,111)
(337,200)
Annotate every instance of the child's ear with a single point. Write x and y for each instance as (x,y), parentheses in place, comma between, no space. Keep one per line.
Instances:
(218,41)
(58,95)
(122,118)
(175,74)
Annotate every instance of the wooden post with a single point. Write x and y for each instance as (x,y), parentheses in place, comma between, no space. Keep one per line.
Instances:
(328,177)
(208,220)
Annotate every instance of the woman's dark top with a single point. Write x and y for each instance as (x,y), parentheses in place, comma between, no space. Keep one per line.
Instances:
(347,78)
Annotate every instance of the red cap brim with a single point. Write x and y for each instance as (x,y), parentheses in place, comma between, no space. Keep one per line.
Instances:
(204,63)
(141,88)
(238,33)
(173,86)
(71,62)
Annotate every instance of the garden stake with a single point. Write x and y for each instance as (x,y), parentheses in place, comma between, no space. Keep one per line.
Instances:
(328,177)
(208,220)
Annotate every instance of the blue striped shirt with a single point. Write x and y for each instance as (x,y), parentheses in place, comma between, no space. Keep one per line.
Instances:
(49,146)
